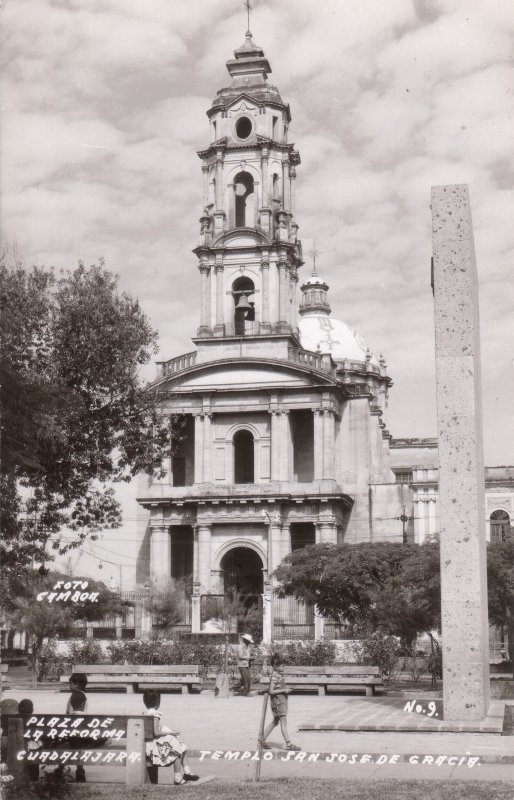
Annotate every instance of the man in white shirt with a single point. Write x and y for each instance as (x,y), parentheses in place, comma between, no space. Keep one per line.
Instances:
(243,656)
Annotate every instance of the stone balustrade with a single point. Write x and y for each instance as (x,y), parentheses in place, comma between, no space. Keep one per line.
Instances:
(177,364)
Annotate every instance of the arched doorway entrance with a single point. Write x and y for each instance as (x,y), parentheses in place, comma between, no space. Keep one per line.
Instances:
(242,569)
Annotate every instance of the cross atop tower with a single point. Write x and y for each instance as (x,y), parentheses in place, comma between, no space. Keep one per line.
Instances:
(247,4)
(313,253)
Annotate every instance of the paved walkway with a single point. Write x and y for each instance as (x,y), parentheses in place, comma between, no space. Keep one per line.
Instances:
(215,729)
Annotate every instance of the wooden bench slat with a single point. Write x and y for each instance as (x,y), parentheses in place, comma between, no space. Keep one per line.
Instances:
(349,669)
(122,669)
(322,679)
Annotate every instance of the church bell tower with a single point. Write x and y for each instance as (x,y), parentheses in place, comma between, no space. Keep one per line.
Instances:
(249,252)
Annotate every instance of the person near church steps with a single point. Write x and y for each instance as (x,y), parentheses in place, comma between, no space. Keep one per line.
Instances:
(243,656)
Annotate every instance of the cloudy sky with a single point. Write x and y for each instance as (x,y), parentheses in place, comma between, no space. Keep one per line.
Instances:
(104,106)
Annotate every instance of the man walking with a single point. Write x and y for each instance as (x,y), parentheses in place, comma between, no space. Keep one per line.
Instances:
(243,656)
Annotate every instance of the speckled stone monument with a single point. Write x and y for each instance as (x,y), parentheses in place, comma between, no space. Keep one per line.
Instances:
(461,474)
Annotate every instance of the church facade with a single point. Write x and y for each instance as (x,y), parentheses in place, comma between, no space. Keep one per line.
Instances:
(285,440)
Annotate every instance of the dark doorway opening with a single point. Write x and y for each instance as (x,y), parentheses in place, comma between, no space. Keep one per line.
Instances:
(242,574)
(302,534)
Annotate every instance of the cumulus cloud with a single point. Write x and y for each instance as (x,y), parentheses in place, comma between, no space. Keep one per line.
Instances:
(104,107)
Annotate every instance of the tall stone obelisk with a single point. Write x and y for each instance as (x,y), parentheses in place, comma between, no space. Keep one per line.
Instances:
(461,470)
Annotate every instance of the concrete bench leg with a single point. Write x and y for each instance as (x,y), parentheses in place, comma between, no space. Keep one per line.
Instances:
(130,688)
(185,688)
(370,691)
(321,691)
(135,770)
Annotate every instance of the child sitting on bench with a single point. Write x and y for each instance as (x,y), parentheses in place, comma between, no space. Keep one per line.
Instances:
(167,747)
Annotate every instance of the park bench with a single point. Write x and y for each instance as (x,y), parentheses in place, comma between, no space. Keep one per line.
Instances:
(140,676)
(341,677)
(124,748)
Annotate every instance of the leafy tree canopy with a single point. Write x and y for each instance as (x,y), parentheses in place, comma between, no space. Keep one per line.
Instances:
(75,416)
(394,588)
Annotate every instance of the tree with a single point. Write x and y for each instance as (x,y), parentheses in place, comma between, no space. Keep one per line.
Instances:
(75,416)
(42,617)
(169,604)
(500,578)
(343,581)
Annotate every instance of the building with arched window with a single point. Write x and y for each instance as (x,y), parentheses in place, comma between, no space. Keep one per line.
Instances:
(285,442)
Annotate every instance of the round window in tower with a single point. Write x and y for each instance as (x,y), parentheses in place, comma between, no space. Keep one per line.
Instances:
(243,127)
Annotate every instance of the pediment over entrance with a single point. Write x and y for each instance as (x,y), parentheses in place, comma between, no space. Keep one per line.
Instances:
(244,374)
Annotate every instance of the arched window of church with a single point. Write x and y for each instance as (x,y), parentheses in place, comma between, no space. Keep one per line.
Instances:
(500,526)
(243,457)
(244,200)
(244,304)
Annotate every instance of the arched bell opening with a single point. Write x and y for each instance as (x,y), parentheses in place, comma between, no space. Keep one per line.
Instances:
(244,308)
(244,457)
(244,197)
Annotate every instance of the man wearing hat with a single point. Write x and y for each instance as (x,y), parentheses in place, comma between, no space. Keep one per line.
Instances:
(243,656)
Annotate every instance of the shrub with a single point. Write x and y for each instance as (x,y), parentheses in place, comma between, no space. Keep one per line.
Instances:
(379,650)
(85,652)
(50,664)
(184,650)
(307,654)
(133,651)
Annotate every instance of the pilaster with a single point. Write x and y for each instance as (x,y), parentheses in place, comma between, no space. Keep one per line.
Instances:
(204,557)
(199,448)
(318,444)
(218,269)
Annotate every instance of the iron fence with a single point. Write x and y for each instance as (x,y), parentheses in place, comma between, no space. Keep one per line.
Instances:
(292,619)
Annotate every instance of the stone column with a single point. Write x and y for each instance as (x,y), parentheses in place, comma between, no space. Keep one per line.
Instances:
(205,298)
(432,516)
(199,447)
(461,471)
(265,177)
(294,299)
(275,444)
(219,296)
(319,624)
(282,291)
(265,314)
(285,185)
(207,449)
(160,554)
(292,176)
(328,532)
(267,617)
(318,444)
(196,614)
(275,542)
(285,445)
(286,540)
(204,557)
(328,444)
(219,173)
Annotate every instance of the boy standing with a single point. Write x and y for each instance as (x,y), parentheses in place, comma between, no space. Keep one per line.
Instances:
(278,692)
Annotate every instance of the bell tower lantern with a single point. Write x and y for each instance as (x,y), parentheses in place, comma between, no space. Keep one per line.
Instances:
(249,252)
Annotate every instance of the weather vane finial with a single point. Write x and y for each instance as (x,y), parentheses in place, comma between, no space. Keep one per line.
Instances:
(247,4)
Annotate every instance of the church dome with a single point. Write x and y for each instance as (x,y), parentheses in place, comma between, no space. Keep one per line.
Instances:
(320,332)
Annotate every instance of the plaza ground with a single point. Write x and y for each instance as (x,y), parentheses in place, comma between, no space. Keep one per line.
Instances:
(212,726)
